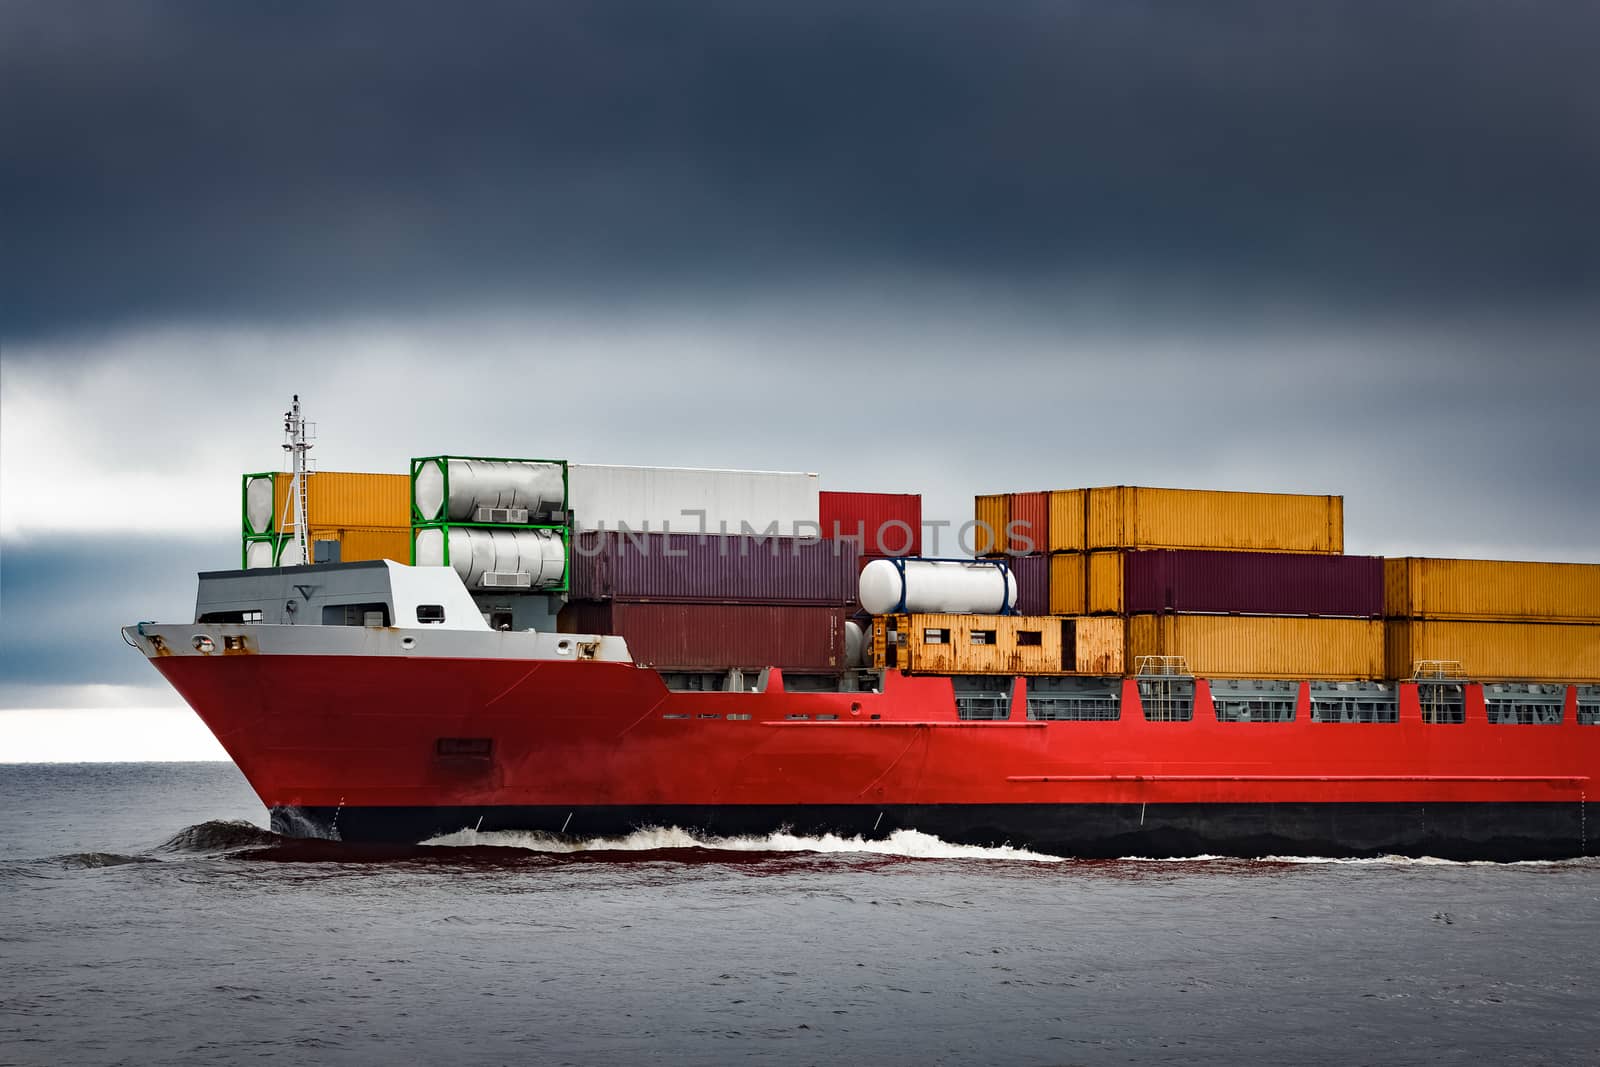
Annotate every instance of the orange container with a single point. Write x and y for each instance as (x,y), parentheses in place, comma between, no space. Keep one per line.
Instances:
(1122,516)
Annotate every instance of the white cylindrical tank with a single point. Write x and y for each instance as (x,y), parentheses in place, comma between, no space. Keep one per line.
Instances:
(981,587)
(257,554)
(855,644)
(258,504)
(483,483)
(475,552)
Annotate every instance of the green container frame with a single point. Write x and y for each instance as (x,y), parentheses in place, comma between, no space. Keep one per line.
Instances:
(244,505)
(277,541)
(562,531)
(417,463)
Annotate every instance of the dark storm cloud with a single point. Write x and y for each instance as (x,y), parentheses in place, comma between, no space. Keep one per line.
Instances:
(174,161)
(63,600)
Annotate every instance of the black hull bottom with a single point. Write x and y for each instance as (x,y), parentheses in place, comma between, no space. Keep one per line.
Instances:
(1457,831)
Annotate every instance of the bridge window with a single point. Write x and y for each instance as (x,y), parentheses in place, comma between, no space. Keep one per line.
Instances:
(430,613)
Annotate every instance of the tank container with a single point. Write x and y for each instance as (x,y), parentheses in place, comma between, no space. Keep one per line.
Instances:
(919,585)
(690,567)
(467,489)
(494,558)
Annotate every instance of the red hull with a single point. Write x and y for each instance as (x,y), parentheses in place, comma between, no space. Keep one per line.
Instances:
(356,731)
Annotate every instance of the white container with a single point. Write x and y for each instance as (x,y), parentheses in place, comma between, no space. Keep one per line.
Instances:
(493,558)
(956,588)
(672,498)
(486,483)
(258,553)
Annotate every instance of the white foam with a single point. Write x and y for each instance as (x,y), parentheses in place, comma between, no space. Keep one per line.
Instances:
(908,843)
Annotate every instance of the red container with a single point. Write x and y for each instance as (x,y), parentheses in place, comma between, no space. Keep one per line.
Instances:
(886,524)
(717,636)
(1252,583)
(1033,584)
(1030,518)
(711,568)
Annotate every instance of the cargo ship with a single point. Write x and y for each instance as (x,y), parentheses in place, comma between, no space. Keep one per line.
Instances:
(1119,671)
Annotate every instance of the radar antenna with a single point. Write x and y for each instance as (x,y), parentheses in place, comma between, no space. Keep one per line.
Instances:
(296,433)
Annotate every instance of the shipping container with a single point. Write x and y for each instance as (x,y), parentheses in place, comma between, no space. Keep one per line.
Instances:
(1033,584)
(689,500)
(344,498)
(1498,651)
(996,644)
(1068,514)
(694,568)
(1069,578)
(990,514)
(717,636)
(1124,516)
(365,542)
(1491,589)
(1246,646)
(886,524)
(1234,583)
(1028,528)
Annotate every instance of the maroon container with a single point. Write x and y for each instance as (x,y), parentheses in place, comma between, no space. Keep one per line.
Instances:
(1252,583)
(1033,584)
(1030,516)
(717,636)
(886,524)
(712,568)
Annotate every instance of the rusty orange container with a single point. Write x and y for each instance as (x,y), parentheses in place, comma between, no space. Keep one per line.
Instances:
(1122,516)
(1491,589)
(990,513)
(996,644)
(1068,584)
(1237,646)
(1497,651)
(1067,518)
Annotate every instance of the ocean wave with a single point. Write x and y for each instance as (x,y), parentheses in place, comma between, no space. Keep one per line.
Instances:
(91,860)
(909,844)
(219,835)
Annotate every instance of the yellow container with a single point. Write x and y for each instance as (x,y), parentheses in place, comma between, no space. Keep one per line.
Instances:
(1067,520)
(1498,651)
(1105,583)
(361,542)
(991,513)
(1068,584)
(1122,516)
(341,498)
(1234,646)
(1491,589)
(997,644)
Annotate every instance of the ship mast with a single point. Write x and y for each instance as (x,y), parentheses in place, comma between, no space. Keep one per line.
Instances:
(295,432)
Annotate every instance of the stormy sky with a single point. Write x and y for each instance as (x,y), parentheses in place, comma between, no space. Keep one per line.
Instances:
(948,248)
